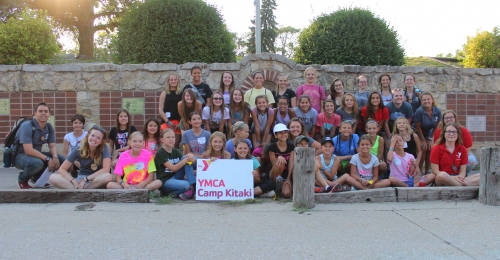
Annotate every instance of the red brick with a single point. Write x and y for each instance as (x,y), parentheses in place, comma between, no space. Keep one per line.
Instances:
(461,96)
(70,94)
(138,94)
(15,95)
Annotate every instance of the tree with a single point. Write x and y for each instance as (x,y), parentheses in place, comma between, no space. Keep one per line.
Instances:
(287,41)
(269,29)
(82,17)
(28,40)
(350,36)
(175,31)
(482,50)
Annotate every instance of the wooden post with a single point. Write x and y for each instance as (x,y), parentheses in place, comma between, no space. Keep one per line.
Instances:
(303,177)
(489,185)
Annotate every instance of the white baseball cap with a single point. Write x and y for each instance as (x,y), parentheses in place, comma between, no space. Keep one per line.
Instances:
(279,128)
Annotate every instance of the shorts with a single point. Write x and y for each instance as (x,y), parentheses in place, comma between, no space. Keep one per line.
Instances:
(175,122)
(453,175)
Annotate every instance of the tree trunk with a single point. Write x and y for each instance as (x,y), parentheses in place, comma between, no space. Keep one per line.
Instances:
(86,30)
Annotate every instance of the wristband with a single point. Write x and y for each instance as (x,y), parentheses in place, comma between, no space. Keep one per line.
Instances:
(121,182)
(71,180)
(391,149)
(323,169)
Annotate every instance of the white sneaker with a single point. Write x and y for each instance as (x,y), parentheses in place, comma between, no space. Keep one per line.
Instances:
(268,194)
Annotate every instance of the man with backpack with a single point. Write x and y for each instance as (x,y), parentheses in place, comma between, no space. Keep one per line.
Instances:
(30,137)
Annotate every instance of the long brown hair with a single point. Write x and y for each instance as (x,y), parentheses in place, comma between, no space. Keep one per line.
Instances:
(222,106)
(249,156)
(369,107)
(231,86)
(333,93)
(442,138)
(157,136)
(355,108)
(118,120)
(442,123)
(185,109)
(303,132)
(85,149)
(242,106)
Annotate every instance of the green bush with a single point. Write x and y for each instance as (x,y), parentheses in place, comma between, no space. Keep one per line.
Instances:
(176,31)
(27,39)
(350,36)
(482,50)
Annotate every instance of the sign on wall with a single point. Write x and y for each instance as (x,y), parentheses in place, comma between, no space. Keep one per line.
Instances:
(135,106)
(224,179)
(4,107)
(476,123)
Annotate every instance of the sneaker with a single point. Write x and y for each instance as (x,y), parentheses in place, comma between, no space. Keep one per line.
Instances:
(336,188)
(46,186)
(24,185)
(318,189)
(186,195)
(268,194)
(327,190)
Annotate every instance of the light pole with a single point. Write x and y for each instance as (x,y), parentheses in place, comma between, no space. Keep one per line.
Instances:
(257,27)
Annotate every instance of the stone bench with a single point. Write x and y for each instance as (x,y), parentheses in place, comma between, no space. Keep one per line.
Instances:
(74,196)
(375,195)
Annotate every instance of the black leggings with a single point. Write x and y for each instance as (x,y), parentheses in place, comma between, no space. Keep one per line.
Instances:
(265,186)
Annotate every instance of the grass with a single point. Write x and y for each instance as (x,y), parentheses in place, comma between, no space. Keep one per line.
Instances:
(161,200)
(300,210)
(422,62)
(242,202)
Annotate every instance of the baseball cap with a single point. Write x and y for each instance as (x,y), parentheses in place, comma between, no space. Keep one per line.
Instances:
(300,138)
(279,128)
(326,139)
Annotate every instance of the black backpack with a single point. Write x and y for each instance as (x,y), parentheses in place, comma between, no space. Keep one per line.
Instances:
(11,141)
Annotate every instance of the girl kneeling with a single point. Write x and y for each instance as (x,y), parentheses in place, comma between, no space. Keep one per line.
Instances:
(364,168)
(95,162)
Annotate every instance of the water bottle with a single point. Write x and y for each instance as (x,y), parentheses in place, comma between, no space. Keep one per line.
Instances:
(6,158)
(279,182)
(422,182)
(410,181)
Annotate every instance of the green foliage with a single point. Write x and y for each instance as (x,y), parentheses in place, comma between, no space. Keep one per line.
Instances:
(350,36)
(422,62)
(176,31)
(27,40)
(269,29)
(482,50)
(287,41)
(242,202)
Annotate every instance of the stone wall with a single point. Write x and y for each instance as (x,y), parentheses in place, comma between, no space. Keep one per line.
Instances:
(99,87)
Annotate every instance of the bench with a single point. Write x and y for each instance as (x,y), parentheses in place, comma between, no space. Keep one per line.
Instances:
(74,196)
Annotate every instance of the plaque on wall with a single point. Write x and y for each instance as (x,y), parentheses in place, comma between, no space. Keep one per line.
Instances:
(135,106)
(476,123)
(4,106)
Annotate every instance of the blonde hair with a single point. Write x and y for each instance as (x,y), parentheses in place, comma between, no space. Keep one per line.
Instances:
(224,141)
(395,130)
(429,94)
(178,91)
(85,149)
(308,69)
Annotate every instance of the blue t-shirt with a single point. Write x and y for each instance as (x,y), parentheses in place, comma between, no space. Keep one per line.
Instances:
(309,118)
(348,147)
(40,136)
(230,146)
(428,124)
(197,144)
(394,112)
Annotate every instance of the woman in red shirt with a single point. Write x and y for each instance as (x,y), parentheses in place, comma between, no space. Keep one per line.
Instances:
(449,159)
(374,110)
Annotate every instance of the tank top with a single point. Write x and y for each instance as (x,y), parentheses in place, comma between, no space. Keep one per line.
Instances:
(411,146)
(170,105)
(280,119)
(326,167)
(374,149)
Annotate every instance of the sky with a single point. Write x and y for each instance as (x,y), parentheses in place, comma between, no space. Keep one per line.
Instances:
(425,27)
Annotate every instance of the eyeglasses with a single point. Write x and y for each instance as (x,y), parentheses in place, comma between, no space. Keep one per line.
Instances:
(449,118)
(96,127)
(451,132)
(217,98)
(338,85)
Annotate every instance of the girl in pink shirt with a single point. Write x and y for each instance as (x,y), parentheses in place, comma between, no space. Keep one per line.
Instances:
(151,133)
(315,92)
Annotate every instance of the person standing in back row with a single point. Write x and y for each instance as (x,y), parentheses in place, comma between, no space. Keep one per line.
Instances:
(200,87)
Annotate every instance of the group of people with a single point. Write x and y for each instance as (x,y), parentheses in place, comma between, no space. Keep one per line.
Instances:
(363,140)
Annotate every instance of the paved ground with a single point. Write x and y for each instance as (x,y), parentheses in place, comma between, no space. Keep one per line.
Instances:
(418,230)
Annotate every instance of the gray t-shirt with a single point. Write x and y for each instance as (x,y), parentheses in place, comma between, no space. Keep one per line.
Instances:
(394,113)
(365,171)
(346,116)
(197,144)
(86,163)
(428,124)
(40,136)
(309,118)
(362,98)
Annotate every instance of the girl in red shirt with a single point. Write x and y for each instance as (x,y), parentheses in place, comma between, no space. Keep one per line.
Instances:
(449,159)
(375,110)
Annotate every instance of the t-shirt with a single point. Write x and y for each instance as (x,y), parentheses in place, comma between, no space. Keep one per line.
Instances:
(162,156)
(152,147)
(135,169)
(170,105)
(346,116)
(120,138)
(466,136)
(230,146)
(252,93)
(216,116)
(273,147)
(315,92)
(328,123)
(197,144)
(86,163)
(442,157)
(73,141)
(344,148)
(364,171)
(414,101)
(400,165)
(394,112)
(227,97)
(288,93)
(381,114)
(427,124)
(239,116)
(204,90)
(40,137)
(386,99)
(308,118)
(262,118)
(362,98)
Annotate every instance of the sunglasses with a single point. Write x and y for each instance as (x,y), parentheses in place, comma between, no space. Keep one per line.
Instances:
(217,98)
(96,127)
